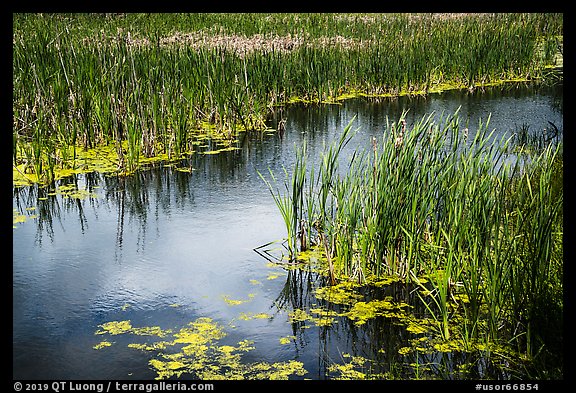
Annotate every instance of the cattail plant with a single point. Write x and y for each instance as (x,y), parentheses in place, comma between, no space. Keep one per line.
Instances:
(178,77)
(428,205)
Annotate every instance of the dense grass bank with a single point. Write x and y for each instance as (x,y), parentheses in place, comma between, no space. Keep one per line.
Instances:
(147,84)
(476,227)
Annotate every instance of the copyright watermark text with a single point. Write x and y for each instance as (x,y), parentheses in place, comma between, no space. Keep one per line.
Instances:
(101,387)
(507,386)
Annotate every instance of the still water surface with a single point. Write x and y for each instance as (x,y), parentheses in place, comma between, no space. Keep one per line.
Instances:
(163,247)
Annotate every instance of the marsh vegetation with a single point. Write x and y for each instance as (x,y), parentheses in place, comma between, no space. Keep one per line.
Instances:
(403,242)
(478,230)
(148,85)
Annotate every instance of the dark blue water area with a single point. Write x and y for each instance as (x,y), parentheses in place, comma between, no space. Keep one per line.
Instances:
(164,247)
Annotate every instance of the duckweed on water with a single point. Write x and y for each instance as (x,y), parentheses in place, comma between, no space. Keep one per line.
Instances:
(200,354)
(150,347)
(349,370)
(341,293)
(349,300)
(247,316)
(115,327)
(196,350)
(324,318)
(18,218)
(363,311)
(299,315)
(356,368)
(287,339)
(151,331)
(231,148)
(102,344)
(122,327)
(233,302)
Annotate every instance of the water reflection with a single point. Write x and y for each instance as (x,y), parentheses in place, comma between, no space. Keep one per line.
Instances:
(131,247)
(337,347)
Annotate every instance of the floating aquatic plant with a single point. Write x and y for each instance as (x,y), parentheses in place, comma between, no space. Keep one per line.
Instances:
(246,316)
(194,350)
(102,344)
(236,302)
(115,327)
(287,339)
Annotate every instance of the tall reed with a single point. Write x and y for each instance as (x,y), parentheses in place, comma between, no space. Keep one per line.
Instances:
(433,202)
(94,79)
(291,203)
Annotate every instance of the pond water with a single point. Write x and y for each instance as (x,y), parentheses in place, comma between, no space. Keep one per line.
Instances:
(165,248)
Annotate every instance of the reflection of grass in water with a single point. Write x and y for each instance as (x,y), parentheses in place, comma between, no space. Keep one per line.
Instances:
(421,350)
(195,350)
(66,191)
(287,339)
(18,218)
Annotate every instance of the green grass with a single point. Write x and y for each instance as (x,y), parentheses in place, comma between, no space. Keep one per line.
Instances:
(156,80)
(456,214)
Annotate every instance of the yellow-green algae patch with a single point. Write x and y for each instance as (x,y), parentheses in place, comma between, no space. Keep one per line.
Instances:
(184,169)
(247,316)
(102,344)
(18,218)
(424,326)
(404,350)
(150,347)
(102,159)
(382,281)
(273,276)
(122,327)
(223,149)
(115,327)
(349,369)
(356,367)
(311,256)
(299,315)
(287,339)
(324,319)
(151,331)
(360,312)
(341,293)
(427,336)
(199,353)
(105,159)
(236,302)
(437,86)
(72,191)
